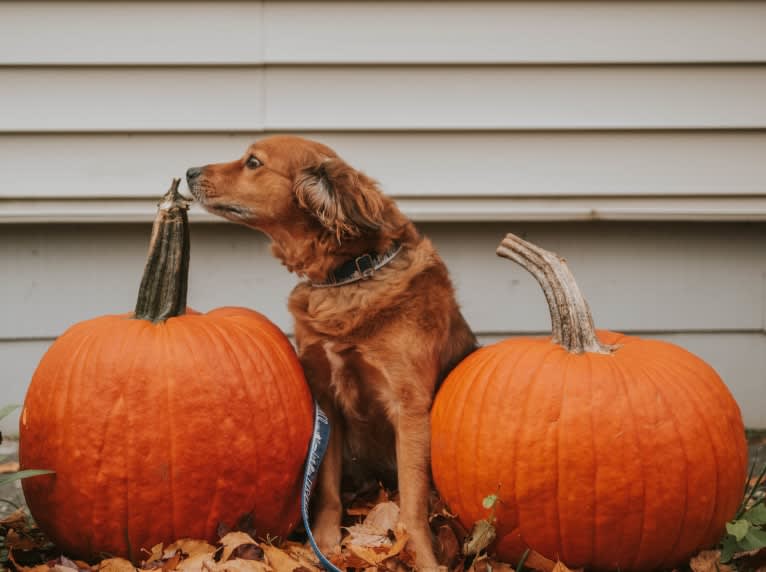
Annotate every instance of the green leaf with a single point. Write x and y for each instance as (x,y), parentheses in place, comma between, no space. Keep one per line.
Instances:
(756,515)
(10,477)
(489,501)
(738,529)
(728,548)
(754,540)
(6,410)
(482,535)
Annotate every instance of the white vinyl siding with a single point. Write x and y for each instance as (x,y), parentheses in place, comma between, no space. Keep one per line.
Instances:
(381,98)
(449,176)
(628,136)
(704,290)
(287,32)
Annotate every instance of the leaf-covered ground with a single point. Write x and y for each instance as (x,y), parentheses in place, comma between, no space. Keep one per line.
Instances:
(372,541)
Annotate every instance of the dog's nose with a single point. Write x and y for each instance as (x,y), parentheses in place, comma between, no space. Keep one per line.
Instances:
(193,173)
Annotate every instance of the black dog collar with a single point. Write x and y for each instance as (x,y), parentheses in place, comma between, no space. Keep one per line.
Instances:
(359,268)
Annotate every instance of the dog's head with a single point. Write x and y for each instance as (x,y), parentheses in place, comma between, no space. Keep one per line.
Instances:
(291,183)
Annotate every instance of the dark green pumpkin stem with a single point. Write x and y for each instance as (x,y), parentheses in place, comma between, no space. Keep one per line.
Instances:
(162,293)
(571,320)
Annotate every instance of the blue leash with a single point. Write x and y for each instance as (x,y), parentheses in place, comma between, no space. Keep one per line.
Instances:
(317,448)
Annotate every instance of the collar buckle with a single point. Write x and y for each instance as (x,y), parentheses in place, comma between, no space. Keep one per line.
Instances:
(362,267)
(365,265)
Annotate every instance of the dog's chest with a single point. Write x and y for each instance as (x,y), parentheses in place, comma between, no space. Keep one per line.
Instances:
(360,389)
(360,393)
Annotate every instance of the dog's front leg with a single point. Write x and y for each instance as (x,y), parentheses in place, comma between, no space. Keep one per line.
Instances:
(329,509)
(413,443)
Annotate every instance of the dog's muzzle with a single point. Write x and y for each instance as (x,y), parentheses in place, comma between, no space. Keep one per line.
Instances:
(193,175)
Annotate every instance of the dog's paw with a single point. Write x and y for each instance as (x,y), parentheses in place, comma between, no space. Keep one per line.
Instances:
(328,539)
(327,531)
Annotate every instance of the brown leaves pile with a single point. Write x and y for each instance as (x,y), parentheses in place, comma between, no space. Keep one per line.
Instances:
(373,541)
(235,552)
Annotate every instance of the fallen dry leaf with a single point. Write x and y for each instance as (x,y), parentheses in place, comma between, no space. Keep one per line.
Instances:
(384,516)
(539,562)
(240,565)
(559,566)
(449,547)
(247,552)
(497,566)
(173,562)
(369,555)
(17,520)
(708,561)
(373,532)
(279,560)
(346,560)
(482,535)
(232,541)
(176,556)
(302,554)
(196,563)
(362,535)
(190,547)
(15,540)
(402,537)
(155,554)
(64,564)
(481,564)
(115,565)
(754,560)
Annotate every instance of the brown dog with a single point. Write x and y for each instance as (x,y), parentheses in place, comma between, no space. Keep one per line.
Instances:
(376,322)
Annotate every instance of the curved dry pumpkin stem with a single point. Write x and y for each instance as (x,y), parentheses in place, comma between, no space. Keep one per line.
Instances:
(571,320)
(162,293)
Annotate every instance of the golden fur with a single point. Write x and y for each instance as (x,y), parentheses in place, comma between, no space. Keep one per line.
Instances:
(374,351)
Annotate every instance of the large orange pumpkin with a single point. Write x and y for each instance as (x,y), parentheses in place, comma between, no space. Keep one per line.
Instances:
(162,424)
(607,451)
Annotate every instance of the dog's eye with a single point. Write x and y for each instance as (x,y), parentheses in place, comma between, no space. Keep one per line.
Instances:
(253,162)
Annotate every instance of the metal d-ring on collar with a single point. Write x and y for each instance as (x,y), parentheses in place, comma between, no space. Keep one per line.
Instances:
(359,268)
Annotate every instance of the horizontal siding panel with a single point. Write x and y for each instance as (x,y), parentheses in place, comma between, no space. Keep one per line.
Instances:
(422,209)
(390,98)
(471,209)
(637,277)
(130,33)
(149,99)
(522,32)
(558,97)
(739,358)
(412,165)
(380,32)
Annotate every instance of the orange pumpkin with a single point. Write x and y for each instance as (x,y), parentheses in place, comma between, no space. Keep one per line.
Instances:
(607,451)
(164,423)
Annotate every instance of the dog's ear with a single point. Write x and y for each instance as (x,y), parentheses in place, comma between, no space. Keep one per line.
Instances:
(345,201)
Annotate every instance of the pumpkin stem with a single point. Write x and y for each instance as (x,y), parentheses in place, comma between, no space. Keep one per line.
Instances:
(571,320)
(162,294)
